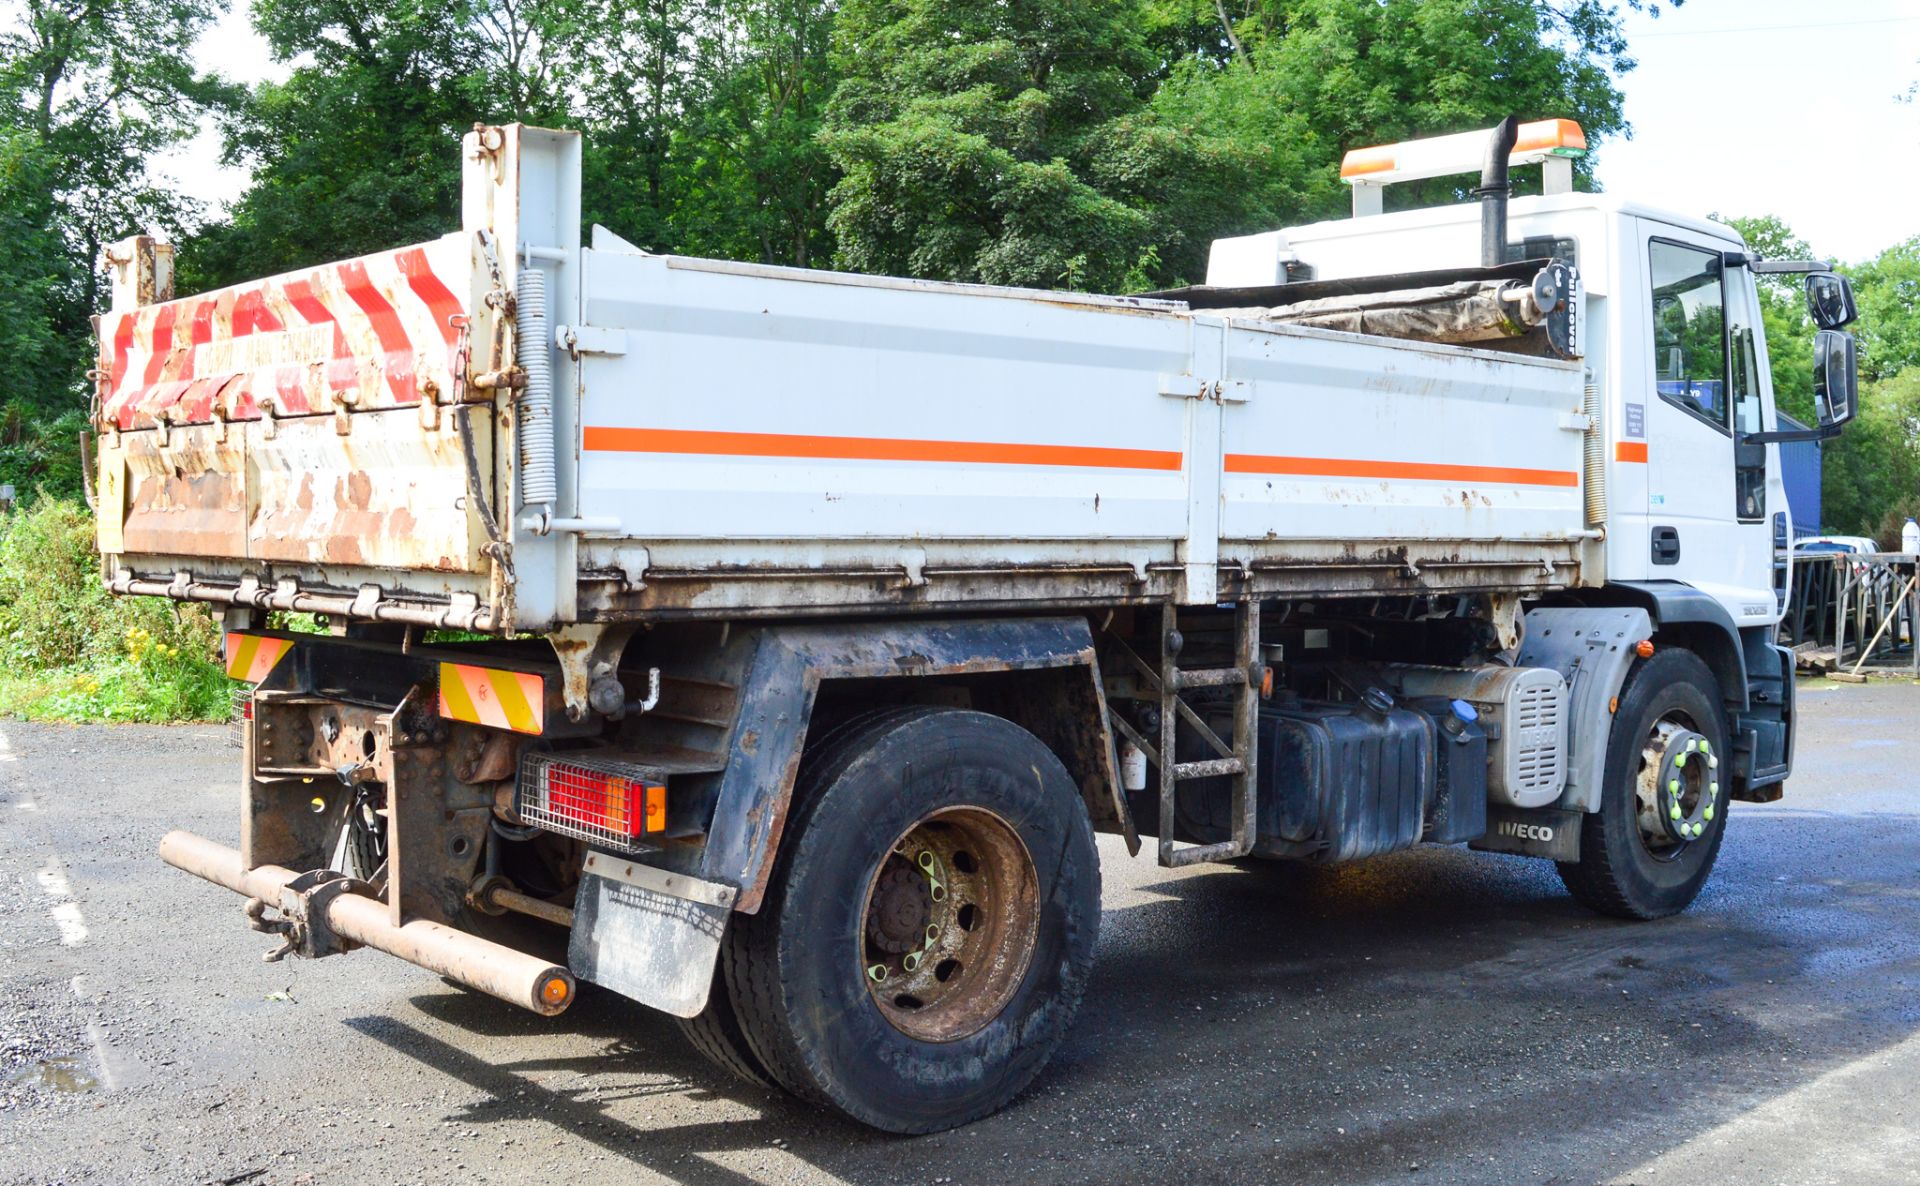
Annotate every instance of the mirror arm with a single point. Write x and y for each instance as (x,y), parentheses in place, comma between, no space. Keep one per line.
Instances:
(1788,435)
(1787,267)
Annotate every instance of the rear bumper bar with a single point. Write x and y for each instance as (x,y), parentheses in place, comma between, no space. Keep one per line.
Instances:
(513,976)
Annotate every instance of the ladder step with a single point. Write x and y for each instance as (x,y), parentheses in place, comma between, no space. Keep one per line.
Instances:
(1209,677)
(1174,858)
(1209,769)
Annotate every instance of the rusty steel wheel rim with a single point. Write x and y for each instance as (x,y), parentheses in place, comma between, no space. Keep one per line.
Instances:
(949,924)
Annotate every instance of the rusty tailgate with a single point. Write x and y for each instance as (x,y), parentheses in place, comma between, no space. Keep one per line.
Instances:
(300,421)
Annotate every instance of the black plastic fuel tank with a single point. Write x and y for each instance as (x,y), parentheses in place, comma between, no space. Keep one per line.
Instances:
(1338,782)
(1342,781)
(1457,810)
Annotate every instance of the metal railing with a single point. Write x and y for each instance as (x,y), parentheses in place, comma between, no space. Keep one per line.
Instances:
(1865,604)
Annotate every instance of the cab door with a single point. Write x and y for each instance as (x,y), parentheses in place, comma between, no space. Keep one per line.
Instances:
(1707,494)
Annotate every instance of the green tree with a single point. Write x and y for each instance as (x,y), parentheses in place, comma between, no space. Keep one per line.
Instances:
(89,93)
(1888,291)
(356,150)
(700,115)
(1325,76)
(1783,313)
(756,175)
(1870,475)
(956,125)
(639,68)
(1106,143)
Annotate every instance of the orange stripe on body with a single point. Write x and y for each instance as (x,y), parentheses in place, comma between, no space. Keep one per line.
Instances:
(771,444)
(1420,471)
(1630,451)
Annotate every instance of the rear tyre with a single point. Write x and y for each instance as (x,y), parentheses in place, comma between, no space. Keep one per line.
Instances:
(715,1032)
(1663,804)
(929,926)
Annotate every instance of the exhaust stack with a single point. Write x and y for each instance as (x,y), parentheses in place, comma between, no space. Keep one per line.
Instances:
(1494,190)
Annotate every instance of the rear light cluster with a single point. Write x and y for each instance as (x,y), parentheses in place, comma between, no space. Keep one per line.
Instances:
(613,804)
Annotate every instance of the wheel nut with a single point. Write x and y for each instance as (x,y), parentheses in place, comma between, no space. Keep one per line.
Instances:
(933,932)
(910,961)
(877,973)
(1674,811)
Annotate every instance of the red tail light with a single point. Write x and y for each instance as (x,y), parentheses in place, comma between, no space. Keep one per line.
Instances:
(615,804)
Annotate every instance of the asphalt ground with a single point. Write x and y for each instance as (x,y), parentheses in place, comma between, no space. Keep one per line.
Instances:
(1436,1016)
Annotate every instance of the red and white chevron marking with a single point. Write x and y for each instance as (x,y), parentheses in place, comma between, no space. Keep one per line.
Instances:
(370,331)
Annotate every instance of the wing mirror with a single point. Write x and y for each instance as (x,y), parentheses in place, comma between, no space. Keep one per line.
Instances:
(1830,300)
(1836,378)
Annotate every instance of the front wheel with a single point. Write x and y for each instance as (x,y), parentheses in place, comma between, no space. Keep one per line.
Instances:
(1663,805)
(930,924)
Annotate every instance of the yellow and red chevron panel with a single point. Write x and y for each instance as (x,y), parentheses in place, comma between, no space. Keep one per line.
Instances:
(492,697)
(252,656)
(372,331)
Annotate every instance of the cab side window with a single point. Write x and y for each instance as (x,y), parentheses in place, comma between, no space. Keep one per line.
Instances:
(1690,331)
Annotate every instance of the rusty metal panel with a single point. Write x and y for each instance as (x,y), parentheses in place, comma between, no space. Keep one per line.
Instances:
(185,492)
(389,494)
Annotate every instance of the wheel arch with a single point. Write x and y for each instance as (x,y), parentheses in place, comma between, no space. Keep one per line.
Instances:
(1039,673)
(1684,616)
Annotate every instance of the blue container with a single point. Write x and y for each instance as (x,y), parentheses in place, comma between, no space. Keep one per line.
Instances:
(1800,470)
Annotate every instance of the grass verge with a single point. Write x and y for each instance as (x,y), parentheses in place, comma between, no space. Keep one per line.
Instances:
(70,651)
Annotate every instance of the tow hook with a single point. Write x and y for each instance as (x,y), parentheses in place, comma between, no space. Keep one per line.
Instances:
(302,925)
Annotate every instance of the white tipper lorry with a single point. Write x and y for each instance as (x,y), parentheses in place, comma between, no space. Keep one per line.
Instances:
(769,645)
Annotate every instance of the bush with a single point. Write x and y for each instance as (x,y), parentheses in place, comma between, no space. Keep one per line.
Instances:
(71,651)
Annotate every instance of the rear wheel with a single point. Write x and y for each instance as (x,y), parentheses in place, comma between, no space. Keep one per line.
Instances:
(930,923)
(1663,808)
(715,1032)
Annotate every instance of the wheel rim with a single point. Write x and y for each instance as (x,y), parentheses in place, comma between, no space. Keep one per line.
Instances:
(949,924)
(1677,795)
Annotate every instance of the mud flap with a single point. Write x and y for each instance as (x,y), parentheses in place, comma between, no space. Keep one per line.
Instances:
(1541,832)
(639,931)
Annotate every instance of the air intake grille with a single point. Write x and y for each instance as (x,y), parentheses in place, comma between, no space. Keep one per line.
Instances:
(1538,711)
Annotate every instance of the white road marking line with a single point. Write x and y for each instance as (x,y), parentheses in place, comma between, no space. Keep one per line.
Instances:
(73,928)
(6,749)
(53,879)
(1848,1125)
(66,911)
(26,805)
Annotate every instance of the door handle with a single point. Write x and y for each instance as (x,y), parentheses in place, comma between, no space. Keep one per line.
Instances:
(1666,545)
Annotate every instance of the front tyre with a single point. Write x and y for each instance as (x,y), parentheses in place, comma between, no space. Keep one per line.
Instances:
(929,926)
(1663,804)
